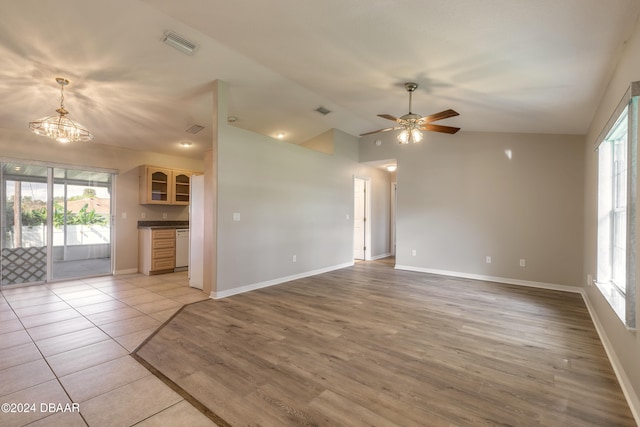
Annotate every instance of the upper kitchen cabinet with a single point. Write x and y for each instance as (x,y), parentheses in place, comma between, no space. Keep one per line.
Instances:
(163,186)
(181,181)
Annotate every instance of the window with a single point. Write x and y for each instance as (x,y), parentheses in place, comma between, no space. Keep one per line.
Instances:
(617,174)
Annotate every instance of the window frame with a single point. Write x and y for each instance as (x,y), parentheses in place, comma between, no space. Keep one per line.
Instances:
(622,301)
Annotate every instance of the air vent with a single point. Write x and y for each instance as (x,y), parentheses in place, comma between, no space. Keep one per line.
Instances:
(178,42)
(194,129)
(323,110)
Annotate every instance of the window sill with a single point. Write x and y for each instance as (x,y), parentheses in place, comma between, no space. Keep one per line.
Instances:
(615,298)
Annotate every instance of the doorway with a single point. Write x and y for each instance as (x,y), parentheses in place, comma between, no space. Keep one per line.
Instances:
(361,222)
(56,223)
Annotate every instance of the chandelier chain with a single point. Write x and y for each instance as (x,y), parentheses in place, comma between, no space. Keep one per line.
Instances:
(62,96)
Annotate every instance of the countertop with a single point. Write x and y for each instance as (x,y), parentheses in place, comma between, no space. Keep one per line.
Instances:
(163,224)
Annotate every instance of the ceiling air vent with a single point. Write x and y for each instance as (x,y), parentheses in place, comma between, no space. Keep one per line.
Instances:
(178,42)
(323,110)
(194,129)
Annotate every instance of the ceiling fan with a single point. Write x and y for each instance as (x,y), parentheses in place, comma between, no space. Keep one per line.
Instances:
(411,124)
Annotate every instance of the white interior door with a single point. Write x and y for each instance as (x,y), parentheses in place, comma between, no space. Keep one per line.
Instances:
(359,218)
(394,204)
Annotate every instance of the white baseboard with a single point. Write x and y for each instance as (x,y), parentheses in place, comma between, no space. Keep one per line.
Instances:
(375,257)
(627,386)
(125,271)
(267,283)
(531,284)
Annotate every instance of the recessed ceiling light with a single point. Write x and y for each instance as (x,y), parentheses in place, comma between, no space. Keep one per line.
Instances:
(391,168)
(232,119)
(186,144)
(280,135)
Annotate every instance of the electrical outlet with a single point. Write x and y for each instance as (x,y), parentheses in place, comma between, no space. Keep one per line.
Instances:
(589,280)
(488,260)
(124,215)
(143,215)
(164,215)
(414,252)
(522,263)
(294,259)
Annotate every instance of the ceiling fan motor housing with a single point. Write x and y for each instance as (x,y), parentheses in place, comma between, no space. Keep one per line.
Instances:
(410,86)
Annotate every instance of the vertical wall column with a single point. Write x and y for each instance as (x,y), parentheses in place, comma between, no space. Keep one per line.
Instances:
(219,119)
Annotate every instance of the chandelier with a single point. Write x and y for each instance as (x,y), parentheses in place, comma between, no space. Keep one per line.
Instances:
(60,127)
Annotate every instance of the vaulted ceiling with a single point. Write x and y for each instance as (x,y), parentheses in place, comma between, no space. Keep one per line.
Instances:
(508,66)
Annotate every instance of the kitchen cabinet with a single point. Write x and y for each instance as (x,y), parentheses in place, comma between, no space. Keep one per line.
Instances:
(157,249)
(181,182)
(164,186)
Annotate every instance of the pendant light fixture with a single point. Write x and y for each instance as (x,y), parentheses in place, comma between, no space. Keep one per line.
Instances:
(60,127)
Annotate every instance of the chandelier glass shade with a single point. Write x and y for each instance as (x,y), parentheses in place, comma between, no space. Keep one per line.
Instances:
(59,127)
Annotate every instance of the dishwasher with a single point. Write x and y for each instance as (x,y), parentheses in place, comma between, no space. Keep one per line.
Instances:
(182,249)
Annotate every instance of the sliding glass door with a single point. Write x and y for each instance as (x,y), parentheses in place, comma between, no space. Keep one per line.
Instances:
(81,223)
(57,223)
(24,224)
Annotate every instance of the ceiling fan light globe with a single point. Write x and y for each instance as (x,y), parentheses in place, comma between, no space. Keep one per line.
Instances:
(403,137)
(416,135)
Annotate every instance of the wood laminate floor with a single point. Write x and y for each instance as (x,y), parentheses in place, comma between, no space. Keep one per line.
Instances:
(370,345)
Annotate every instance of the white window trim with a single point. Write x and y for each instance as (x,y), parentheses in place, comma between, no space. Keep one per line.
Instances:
(624,304)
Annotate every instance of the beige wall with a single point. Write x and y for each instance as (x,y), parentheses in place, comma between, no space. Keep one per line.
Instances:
(623,345)
(291,201)
(461,199)
(322,143)
(26,146)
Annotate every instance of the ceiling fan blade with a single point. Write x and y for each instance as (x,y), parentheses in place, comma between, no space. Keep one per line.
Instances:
(440,128)
(439,116)
(388,117)
(379,130)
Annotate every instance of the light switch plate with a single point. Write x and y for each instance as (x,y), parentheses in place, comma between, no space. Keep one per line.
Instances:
(236,216)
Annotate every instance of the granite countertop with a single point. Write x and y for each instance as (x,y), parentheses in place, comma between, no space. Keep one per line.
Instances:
(163,224)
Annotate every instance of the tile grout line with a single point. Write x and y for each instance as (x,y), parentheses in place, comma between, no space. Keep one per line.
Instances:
(130,353)
(47,363)
(44,358)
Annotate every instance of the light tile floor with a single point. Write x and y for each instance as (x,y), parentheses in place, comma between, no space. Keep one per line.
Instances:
(69,342)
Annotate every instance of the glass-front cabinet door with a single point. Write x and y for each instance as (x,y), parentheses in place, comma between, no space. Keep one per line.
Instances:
(56,223)
(181,181)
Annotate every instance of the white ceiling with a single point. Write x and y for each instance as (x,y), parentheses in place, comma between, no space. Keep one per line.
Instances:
(504,65)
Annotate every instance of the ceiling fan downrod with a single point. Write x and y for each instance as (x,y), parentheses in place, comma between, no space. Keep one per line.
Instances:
(410,87)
